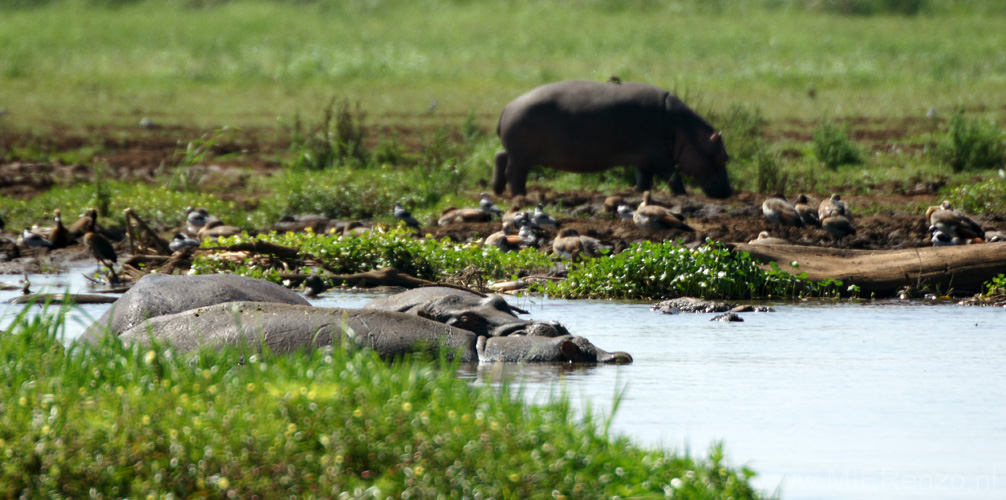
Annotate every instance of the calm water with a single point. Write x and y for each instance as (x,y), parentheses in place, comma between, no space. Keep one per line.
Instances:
(882,400)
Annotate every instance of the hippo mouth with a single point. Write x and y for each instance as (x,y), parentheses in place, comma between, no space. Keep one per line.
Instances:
(579,350)
(720,189)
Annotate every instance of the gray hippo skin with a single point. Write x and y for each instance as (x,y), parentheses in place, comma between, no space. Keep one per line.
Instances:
(487,316)
(525,349)
(285,328)
(156,294)
(583,126)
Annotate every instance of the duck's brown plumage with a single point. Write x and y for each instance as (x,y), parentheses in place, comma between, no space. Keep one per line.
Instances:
(780,212)
(59,237)
(649,217)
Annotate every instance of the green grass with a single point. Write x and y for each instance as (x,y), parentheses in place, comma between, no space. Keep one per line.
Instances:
(247,62)
(130,422)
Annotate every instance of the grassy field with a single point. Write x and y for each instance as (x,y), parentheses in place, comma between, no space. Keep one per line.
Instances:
(251,63)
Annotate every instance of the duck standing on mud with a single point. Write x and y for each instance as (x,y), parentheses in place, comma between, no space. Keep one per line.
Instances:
(34,240)
(541,218)
(570,244)
(400,213)
(836,218)
(957,227)
(808,214)
(87,222)
(484,213)
(487,205)
(59,236)
(655,218)
(780,212)
(181,241)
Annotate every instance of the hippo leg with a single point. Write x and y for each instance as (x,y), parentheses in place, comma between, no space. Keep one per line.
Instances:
(644,179)
(676,183)
(516,175)
(499,173)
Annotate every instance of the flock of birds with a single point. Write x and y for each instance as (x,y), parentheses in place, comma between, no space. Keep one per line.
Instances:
(832,215)
(199,225)
(59,236)
(946,225)
(528,228)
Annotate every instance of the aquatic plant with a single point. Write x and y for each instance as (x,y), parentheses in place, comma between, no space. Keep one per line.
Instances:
(110,420)
(660,270)
(644,270)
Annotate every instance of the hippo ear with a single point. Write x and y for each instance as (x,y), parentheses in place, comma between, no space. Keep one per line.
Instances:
(717,136)
(572,352)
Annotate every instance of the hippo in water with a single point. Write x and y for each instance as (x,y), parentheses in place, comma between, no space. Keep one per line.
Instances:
(485,316)
(583,126)
(189,312)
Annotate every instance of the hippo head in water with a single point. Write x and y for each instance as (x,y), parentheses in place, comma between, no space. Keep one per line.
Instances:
(485,316)
(563,349)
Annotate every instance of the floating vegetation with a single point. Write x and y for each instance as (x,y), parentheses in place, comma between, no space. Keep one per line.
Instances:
(645,270)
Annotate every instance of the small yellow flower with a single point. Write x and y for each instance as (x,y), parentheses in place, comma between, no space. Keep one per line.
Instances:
(418,470)
(407,406)
(224,483)
(45,429)
(291,428)
(358,412)
(146,420)
(515,477)
(150,357)
(120,390)
(250,387)
(339,459)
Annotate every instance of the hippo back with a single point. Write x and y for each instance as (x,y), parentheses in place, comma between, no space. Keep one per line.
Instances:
(155,295)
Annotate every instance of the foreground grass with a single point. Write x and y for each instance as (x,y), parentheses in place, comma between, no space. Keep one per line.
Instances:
(646,270)
(119,422)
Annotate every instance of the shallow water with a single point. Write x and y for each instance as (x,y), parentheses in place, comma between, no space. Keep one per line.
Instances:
(825,401)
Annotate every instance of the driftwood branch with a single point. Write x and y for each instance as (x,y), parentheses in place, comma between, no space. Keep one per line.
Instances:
(963,269)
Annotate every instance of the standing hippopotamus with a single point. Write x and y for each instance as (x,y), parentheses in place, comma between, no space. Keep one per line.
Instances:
(583,126)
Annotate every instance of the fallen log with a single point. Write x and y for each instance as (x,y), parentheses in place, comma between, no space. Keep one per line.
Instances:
(62,298)
(962,269)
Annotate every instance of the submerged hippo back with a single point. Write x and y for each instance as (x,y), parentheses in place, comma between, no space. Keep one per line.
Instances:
(155,295)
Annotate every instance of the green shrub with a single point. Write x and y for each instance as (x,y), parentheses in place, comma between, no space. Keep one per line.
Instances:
(983,198)
(336,140)
(645,270)
(972,144)
(652,270)
(834,147)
